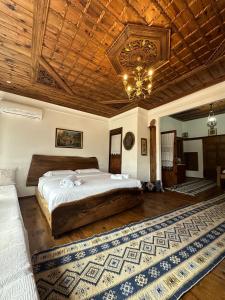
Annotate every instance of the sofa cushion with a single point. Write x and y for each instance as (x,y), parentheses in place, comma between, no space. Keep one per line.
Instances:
(16,277)
(15,262)
(22,288)
(7,176)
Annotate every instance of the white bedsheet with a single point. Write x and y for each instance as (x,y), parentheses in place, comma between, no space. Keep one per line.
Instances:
(95,183)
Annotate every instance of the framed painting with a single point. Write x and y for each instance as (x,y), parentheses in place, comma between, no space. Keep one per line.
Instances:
(129,140)
(143,146)
(65,138)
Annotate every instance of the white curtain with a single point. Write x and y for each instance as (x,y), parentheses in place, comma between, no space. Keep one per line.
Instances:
(116,144)
(167,144)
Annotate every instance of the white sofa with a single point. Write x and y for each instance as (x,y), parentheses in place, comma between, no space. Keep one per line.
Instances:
(16,276)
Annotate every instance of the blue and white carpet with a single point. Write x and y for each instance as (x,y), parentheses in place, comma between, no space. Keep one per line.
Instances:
(193,187)
(158,258)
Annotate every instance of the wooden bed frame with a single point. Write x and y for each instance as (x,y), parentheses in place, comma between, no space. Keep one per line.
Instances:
(69,216)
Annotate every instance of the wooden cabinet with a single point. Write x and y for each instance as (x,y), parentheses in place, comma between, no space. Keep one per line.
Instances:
(181,173)
(213,155)
(177,174)
(174,176)
(115,163)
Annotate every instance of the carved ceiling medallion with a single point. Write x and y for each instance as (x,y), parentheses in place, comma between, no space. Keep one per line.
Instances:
(139,45)
(45,78)
(138,52)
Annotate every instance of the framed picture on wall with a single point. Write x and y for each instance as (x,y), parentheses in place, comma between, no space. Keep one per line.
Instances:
(65,138)
(143,146)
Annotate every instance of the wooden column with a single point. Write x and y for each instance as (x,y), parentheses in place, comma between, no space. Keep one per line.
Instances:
(152,151)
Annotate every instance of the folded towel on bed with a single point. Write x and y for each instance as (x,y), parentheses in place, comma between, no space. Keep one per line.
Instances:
(70,182)
(119,176)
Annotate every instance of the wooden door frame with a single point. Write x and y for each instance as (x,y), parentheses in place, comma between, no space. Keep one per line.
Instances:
(152,149)
(111,133)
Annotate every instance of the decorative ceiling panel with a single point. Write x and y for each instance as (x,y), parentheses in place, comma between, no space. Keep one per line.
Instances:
(139,45)
(71,39)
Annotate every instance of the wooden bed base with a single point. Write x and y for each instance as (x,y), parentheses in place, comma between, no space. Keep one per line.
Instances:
(72,215)
(75,214)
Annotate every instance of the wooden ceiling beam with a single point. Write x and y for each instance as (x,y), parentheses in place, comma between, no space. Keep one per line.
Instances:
(111,12)
(85,66)
(75,33)
(47,94)
(92,19)
(63,17)
(219,51)
(87,40)
(174,27)
(188,116)
(40,15)
(31,93)
(14,46)
(197,25)
(218,15)
(109,102)
(194,89)
(187,75)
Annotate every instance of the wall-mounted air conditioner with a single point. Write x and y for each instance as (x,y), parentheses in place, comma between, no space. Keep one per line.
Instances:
(13,108)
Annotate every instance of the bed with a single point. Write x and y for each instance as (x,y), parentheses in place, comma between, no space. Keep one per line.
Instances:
(72,214)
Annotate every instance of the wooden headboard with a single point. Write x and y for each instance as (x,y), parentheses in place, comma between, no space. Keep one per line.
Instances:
(41,164)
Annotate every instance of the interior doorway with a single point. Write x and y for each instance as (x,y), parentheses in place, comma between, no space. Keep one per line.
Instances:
(115,150)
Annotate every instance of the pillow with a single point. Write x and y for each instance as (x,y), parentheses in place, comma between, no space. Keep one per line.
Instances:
(58,172)
(85,171)
(7,176)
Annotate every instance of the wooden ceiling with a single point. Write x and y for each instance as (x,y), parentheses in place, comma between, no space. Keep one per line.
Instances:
(55,50)
(200,112)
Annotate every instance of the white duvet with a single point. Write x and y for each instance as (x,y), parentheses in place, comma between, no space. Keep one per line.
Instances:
(93,184)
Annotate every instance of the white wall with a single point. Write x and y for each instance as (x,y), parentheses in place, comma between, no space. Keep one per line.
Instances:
(199,128)
(195,146)
(136,121)
(167,123)
(21,138)
(128,121)
(143,162)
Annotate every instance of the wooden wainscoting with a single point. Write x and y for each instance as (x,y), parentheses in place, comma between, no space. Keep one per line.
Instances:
(115,163)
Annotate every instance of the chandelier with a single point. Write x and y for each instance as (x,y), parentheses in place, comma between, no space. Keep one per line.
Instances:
(140,84)
(211,122)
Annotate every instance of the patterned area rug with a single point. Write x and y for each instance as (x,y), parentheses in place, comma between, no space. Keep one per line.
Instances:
(193,187)
(158,258)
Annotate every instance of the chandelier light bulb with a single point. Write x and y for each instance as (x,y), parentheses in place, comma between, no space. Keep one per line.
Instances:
(211,121)
(150,72)
(140,84)
(125,77)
